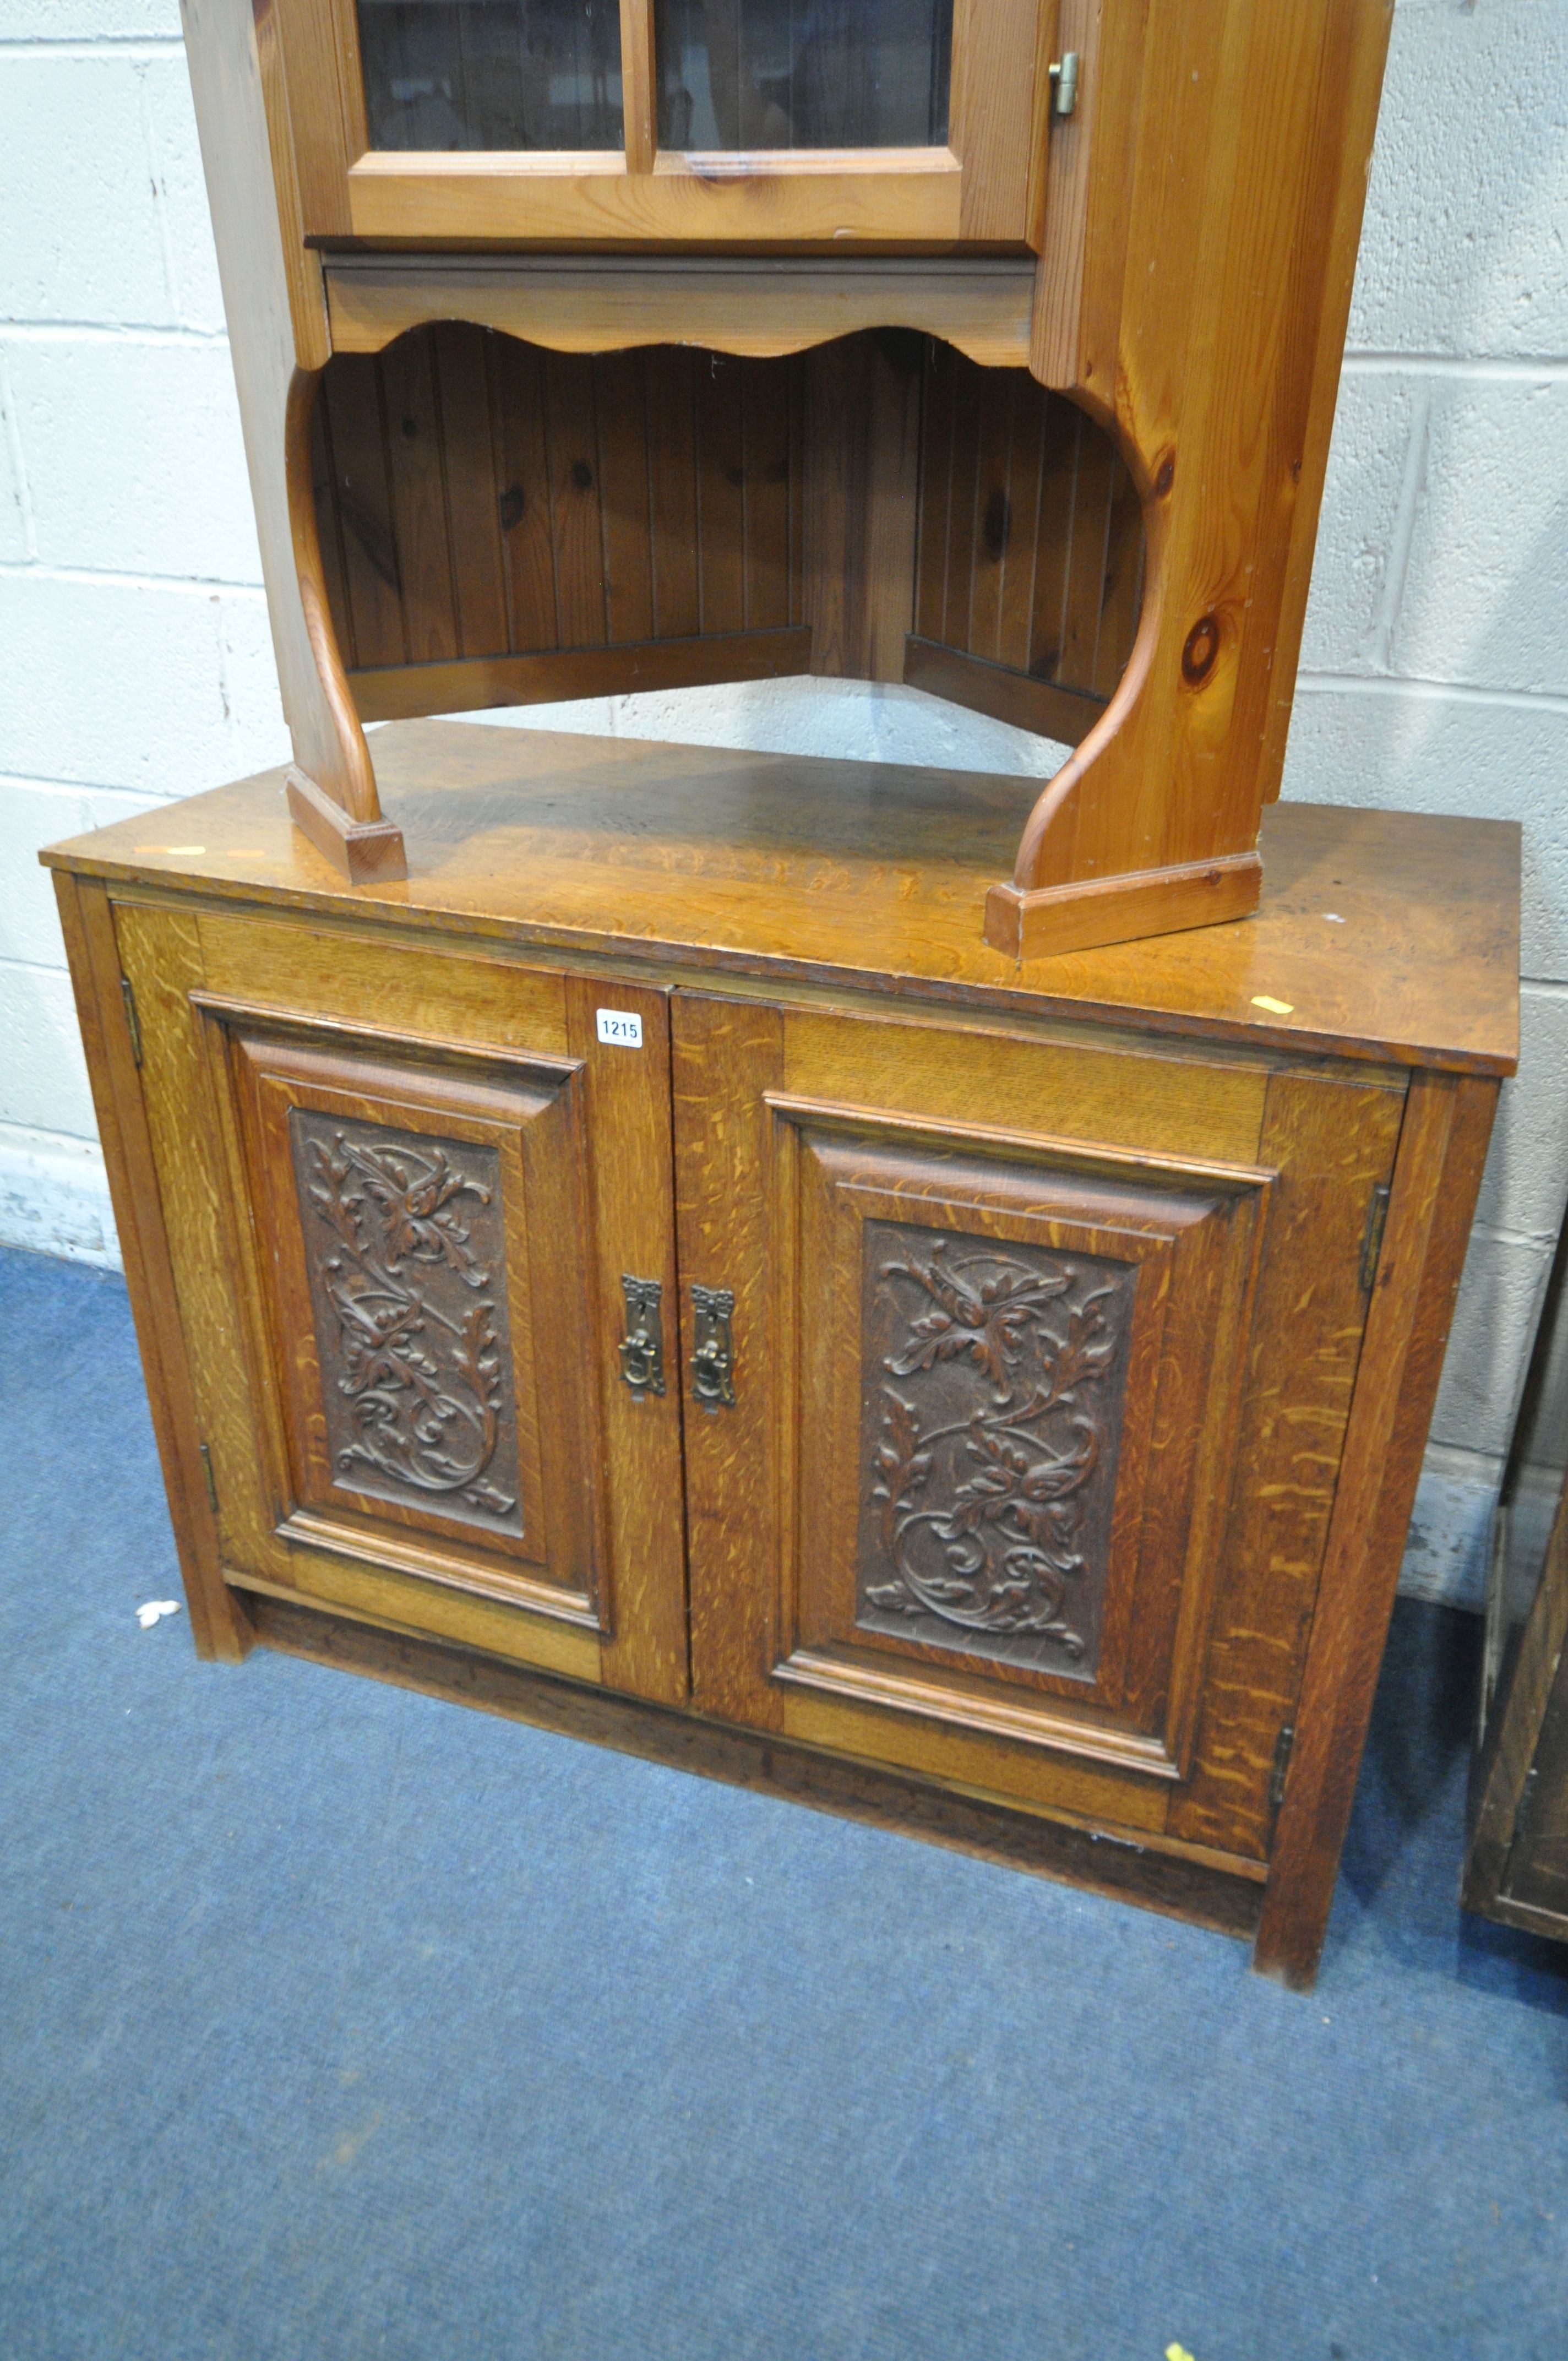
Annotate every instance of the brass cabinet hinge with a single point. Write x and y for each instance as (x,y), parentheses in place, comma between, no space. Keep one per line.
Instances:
(1372,1236)
(1282,1745)
(132,1021)
(1063,72)
(207,1472)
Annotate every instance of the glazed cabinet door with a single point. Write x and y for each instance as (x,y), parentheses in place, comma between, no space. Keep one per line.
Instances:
(1017,1371)
(418,1220)
(701,121)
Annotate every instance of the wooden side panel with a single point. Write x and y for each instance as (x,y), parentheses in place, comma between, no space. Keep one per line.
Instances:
(1199,300)
(1031,556)
(1443,1146)
(1332,1146)
(161,952)
(219,1624)
(1536,1880)
(277,319)
(1530,1694)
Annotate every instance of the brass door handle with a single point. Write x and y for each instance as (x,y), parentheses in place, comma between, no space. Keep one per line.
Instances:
(713,1352)
(642,1348)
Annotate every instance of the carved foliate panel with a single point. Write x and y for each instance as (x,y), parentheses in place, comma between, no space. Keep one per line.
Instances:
(992,1382)
(405,1255)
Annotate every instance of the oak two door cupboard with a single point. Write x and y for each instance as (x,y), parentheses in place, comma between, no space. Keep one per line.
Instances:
(996,1409)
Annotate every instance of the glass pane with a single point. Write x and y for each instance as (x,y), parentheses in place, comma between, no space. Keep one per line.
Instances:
(804,74)
(491,73)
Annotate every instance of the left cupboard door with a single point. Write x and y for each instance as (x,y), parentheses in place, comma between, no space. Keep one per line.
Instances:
(420,1222)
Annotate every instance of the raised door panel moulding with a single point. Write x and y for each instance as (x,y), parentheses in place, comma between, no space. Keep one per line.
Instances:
(405,1339)
(1029,1357)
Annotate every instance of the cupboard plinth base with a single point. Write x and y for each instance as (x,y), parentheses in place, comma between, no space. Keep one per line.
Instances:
(366,852)
(1176,1887)
(1086,915)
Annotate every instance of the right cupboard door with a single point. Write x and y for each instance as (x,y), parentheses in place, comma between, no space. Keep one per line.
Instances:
(1018,1368)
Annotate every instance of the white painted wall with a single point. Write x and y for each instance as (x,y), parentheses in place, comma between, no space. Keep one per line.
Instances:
(136,664)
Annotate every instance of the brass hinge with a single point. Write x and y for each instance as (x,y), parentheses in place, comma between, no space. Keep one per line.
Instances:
(1282,1745)
(207,1472)
(132,1020)
(1372,1236)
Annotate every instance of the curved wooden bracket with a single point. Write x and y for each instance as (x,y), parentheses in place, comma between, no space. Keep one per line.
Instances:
(335,801)
(1072,885)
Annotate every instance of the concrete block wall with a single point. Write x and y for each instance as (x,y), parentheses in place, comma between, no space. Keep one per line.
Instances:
(135,664)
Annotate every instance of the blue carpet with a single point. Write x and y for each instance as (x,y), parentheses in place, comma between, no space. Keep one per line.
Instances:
(335,2022)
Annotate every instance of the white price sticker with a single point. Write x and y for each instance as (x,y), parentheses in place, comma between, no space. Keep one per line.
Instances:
(620,1027)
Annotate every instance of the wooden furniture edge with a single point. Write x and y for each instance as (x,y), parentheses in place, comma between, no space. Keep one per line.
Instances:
(1099,911)
(1062,197)
(911,196)
(1505,1911)
(219,1623)
(762,972)
(1512,1729)
(367,852)
(1295,95)
(1064,715)
(468,684)
(1437,1171)
(761,1761)
(347,781)
(607,302)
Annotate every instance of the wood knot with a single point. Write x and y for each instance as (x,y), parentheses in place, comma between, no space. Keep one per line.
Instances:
(1167,476)
(998,522)
(512,503)
(1202,646)
(583,476)
(411,427)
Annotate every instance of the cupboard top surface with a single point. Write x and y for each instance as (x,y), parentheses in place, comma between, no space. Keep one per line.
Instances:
(874,875)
